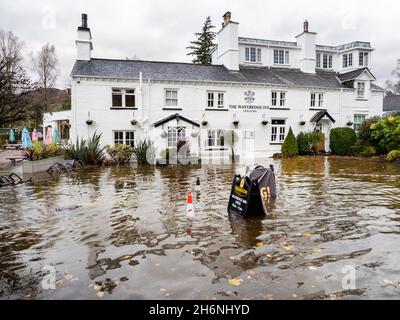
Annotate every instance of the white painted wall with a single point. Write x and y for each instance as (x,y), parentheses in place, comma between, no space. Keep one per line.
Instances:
(94,96)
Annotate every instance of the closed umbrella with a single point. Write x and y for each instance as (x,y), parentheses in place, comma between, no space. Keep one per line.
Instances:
(26,139)
(56,136)
(49,135)
(11,137)
(34,135)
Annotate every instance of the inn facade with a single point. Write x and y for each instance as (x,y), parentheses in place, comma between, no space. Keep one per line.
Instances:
(257,87)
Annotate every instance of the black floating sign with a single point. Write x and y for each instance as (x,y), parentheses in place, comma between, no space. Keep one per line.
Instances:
(249,194)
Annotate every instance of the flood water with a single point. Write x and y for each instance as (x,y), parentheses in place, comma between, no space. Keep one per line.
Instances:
(122,233)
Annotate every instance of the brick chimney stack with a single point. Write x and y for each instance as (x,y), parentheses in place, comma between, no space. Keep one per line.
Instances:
(306,26)
(227,18)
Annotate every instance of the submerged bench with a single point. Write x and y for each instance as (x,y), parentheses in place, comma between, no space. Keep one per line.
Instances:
(15,160)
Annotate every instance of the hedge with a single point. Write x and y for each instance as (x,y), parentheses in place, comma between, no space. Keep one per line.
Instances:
(342,141)
(289,147)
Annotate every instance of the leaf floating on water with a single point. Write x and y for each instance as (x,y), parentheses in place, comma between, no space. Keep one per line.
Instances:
(232,258)
(287,246)
(307,234)
(163,290)
(391,283)
(234,282)
(294,295)
(269,256)
(312,268)
(60,282)
(316,250)
(68,276)
(260,244)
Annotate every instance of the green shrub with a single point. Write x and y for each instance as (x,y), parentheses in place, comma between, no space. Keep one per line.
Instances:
(40,150)
(368,151)
(386,133)
(89,152)
(120,153)
(342,141)
(142,150)
(289,147)
(393,155)
(308,143)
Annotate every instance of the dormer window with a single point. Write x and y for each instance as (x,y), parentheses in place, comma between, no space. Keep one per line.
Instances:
(360,90)
(324,60)
(281,56)
(252,54)
(363,59)
(347,60)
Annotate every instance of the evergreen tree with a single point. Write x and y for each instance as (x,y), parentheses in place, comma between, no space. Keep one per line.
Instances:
(289,147)
(202,46)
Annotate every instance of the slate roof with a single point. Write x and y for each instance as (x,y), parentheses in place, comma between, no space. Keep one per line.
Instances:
(391,103)
(352,74)
(320,114)
(176,71)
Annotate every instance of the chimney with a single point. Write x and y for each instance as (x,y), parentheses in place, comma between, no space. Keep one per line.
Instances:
(84,44)
(306,41)
(84,20)
(306,26)
(227,44)
(227,18)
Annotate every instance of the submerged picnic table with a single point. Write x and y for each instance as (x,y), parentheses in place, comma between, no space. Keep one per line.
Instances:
(15,160)
(13,146)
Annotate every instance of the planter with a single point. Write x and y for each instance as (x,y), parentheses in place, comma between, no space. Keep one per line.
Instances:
(134,122)
(204,123)
(163,134)
(302,123)
(235,123)
(194,134)
(40,165)
(264,122)
(89,122)
(349,123)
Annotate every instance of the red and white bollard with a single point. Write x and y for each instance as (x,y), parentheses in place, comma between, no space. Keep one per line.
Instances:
(189,206)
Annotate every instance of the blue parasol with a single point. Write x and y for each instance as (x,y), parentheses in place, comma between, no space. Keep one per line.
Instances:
(56,136)
(11,138)
(26,139)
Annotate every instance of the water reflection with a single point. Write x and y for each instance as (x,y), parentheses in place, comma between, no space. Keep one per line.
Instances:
(122,232)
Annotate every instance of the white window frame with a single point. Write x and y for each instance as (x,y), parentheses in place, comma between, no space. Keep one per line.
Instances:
(317,100)
(356,122)
(258,54)
(281,57)
(360,90)
(252,54)
(313,99)
(282,100)
(326,61)
(175,134)
(363,58)
(278,96)
(278,131)
(126,139)
(320,100)
(318,60)
(123,92)
(274,98)
(216,99)
(215,141)
(347,60)
(170,99)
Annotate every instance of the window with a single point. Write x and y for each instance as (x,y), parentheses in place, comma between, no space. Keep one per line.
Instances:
(281,56)
(215,99)
(347,60)
(360,89)
(252,54)
(123,98)
(215,138)
(124,137)
(326,62)
(171,98)
(278,130)
(176,134)
(274,97)
(358,120)
(318,60)
(363,58)
(314,97)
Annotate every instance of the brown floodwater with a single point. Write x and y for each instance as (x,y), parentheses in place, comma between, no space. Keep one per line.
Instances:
(122,233)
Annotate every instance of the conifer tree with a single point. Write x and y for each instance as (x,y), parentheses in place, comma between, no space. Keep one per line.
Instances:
(201,47)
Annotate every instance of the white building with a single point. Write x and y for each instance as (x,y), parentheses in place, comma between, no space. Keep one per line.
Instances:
(263,86)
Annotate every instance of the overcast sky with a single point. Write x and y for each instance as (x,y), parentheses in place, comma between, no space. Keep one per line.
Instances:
(161,29)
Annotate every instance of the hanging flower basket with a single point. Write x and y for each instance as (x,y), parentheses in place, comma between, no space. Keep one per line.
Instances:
(194,134)
(264,122)
(134,122)
(89,122)
(204,123)
(302,123)
(235,123)
(349,123)
(163,134)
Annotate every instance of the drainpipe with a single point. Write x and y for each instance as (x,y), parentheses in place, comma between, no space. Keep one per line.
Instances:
(340,103)
(141,94)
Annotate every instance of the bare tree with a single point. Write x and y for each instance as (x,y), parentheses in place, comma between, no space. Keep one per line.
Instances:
(393,86)
(15,84)
(45,65)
